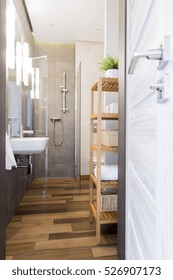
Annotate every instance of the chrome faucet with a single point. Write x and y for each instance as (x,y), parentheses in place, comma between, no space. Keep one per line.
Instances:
(9,130)
(22,132)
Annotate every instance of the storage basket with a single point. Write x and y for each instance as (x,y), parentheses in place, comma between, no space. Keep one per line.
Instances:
(109,202)
(110,138)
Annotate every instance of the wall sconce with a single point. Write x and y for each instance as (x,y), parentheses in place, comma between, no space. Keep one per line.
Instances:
(17,55)
(10,31)
(35,80)
(23,63)
(18,63)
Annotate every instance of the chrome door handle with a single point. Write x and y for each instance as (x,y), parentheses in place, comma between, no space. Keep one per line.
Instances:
(162,89)
(154,54)
(161,54)
(157,86)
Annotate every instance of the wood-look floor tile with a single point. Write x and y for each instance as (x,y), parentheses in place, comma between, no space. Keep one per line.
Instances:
(69,235)
(38,197)
(24,210)
(14,239)
(84,226)
(61,254)
(16,219)
(61,188)
(84,197)
(77,224)
(56,225)
(69,192)
(45,202)
(60,181)
(71,220)
(106,258)
(66,243)
(9,258)
(24,248)
(103,251)
(54,216)
(108,239)
(43,229)
(75,205)
(28,224)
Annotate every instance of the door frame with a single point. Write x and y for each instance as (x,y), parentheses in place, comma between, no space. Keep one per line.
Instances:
(3,188)
(122,130)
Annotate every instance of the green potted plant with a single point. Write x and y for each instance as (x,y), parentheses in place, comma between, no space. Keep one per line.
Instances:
(109,65)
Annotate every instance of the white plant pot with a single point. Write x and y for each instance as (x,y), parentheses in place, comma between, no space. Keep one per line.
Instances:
(111,73)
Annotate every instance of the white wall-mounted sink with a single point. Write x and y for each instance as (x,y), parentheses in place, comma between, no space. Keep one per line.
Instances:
(29,145)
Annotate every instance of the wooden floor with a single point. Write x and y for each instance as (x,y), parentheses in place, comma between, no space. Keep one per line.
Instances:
(51,223)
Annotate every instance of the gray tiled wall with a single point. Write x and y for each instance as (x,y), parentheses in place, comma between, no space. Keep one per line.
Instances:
(60,159)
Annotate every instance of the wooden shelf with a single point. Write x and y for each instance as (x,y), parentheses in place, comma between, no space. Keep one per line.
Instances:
(96,118)
(108,84)
(104,149)
(105,217)
(105,116)
(113,149)
(105,184)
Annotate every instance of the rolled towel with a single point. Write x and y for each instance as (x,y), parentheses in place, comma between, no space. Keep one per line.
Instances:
(108,172)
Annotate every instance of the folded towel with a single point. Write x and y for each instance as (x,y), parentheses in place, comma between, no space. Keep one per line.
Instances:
(10,160)
(108,172)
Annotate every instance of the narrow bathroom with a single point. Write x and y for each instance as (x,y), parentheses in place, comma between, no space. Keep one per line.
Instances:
(46,201)
(55,109)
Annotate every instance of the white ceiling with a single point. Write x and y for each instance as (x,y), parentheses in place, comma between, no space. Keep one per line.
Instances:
(66,21)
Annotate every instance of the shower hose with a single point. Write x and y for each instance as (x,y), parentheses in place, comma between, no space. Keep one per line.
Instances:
(62,133)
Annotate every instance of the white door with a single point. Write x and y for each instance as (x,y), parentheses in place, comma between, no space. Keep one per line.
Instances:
(149,195)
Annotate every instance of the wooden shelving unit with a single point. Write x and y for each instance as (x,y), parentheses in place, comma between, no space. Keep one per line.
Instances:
(102,85)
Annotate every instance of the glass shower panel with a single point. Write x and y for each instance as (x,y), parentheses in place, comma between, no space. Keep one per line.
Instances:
(78,125)
(41,98)
(40,111)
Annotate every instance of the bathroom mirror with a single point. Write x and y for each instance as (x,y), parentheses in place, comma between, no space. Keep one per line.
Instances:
(14,91)
(27,79)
